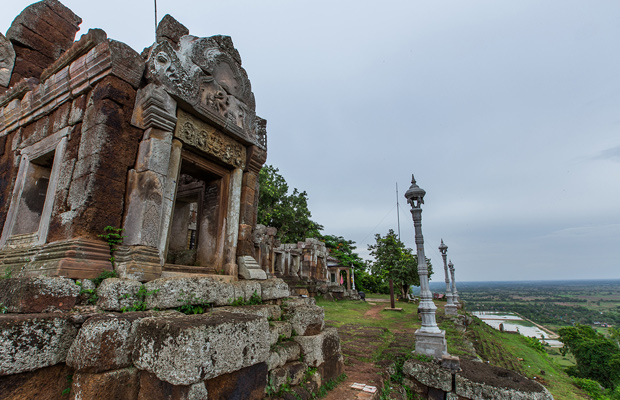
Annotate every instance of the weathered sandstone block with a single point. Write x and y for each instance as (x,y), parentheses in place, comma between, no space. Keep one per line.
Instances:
(115,293)
(246,289)
(274,289)
(121,384)
(38,294)
(292,302)
(331,368)
(306,320)
(29,342)
(40,34)
(470,389)
(187,349)
(283,353)
(41,384)
(268,311)
(292,373)
(279,329)
(170,29)
(429,374)
(318,348)
(105,342)
(152,388)
(247,383)
(175,292)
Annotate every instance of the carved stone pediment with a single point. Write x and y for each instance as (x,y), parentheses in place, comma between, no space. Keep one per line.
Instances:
(206,74)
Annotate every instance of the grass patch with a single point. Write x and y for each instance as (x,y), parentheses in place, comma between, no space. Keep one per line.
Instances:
(343,312)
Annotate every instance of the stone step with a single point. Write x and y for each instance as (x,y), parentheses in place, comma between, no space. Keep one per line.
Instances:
(189,269)
(250,269)
(172,274)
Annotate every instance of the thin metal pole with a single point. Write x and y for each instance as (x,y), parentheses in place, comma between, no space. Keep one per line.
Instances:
(397,211)
(155,3)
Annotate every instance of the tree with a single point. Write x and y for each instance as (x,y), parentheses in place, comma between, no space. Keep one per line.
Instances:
(597,357)
(395,261)
(343,250)
(288,213)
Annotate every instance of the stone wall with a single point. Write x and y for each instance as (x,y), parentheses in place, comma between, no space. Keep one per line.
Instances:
(51,342)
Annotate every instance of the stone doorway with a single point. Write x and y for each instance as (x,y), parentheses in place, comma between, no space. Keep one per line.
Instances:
(197,231)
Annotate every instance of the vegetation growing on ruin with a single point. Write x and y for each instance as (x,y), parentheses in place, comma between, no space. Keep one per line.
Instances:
(103,276)
(254,300)
(113,236)
(140,302)
(192,304)
(91,294)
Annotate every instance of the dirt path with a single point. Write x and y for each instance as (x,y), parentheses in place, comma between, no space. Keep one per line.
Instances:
(368,351)
(358,344)
(375,311)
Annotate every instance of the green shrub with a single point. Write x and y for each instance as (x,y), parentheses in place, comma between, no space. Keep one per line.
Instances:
(591,387)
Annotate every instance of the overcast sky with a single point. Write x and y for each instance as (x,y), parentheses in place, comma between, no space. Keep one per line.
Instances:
(507,112)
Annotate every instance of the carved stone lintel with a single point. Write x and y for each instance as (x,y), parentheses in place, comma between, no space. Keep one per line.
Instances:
(206,138)
(154,109)
(7,60)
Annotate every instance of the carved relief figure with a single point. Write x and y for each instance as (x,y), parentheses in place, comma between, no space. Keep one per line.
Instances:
(166,68)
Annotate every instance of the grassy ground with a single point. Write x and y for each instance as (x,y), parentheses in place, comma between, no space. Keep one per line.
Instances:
(385,332)
(354,312)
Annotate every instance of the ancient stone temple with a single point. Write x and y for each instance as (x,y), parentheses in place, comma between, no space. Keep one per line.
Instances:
(165,145)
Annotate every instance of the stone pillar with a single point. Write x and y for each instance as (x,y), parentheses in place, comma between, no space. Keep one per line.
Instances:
(256,157)
(232,223)
(150,189)
(247,214)
(170,191)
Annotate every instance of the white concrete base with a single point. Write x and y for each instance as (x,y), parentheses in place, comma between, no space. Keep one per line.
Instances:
(431,344)
(451,309)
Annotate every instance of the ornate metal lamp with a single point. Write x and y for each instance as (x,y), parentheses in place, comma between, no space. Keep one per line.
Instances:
(450,306)
(430,340)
